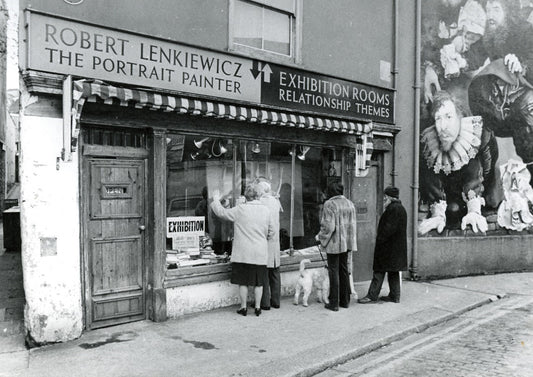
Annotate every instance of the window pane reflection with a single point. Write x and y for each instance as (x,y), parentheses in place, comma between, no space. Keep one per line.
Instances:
(196,166)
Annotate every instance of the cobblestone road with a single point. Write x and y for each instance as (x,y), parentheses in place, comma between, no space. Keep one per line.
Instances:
(494,340)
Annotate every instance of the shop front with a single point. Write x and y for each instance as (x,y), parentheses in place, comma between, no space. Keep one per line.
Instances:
(147,175)
(144,130)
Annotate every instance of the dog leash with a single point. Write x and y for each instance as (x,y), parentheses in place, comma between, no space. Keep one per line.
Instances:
(321,256)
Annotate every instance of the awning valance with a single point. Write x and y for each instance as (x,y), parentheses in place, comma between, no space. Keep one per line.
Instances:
(85,91)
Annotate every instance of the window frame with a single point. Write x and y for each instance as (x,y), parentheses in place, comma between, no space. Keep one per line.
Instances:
(192,275)
(295,38)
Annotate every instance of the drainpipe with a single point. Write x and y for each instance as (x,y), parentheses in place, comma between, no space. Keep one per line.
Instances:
(416,143)
(291,218)
(394,81)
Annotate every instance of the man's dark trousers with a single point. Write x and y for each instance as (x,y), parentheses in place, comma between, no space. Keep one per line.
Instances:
(272,291)
(377,282)
(339,280)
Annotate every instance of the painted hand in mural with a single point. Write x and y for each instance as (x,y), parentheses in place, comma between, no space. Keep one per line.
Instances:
(512,63)
(431,83)
(437,219)
(474,217)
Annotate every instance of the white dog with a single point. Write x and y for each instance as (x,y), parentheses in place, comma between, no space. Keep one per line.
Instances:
(309,279)
(321,284)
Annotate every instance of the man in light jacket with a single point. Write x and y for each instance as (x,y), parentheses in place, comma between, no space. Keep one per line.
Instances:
(338,236)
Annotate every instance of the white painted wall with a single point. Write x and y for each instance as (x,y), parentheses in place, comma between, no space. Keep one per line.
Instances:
(49,209)
(208,296)
(11,138)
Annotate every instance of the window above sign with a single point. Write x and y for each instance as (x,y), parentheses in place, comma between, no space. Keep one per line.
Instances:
(265,29)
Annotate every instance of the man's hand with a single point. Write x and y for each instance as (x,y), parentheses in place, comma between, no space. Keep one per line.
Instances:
(430,79)
(477,221)
(512,63)
(216,195)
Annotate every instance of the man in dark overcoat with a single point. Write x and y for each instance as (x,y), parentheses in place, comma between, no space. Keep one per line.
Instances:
(390,253)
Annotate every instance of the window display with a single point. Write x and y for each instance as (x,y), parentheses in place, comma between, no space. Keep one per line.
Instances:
(198,165)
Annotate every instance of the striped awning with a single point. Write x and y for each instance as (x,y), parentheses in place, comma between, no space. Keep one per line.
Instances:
(84,91)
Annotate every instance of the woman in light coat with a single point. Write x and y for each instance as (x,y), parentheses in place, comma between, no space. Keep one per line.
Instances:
(253,226)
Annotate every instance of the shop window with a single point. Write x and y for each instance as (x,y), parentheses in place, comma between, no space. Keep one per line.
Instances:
(197,165)
(264,28)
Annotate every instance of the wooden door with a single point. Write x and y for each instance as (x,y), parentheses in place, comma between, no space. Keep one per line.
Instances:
(364,193)
(114,212)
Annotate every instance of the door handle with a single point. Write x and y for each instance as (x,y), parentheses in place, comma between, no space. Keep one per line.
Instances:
(142,228)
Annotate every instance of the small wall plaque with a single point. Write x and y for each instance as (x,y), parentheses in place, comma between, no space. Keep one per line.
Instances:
(48,246)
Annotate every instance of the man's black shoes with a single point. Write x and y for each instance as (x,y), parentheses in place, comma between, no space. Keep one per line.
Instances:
(366,300)
(331,307)
(390,299)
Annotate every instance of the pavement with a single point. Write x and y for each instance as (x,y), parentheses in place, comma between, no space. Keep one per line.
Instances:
(290,341)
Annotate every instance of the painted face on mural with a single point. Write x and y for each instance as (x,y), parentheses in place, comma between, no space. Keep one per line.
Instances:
(495,15)
(448,124)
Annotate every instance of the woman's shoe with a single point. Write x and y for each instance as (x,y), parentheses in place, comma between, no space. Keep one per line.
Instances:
(243,311)
(258,312)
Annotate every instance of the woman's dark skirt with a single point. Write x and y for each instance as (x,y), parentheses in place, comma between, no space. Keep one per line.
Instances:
(249,274)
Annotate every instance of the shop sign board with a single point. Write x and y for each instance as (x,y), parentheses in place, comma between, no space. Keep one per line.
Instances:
(65,46)
(185,231)
(185,225)
(185,242)
(70,47)
(302,90)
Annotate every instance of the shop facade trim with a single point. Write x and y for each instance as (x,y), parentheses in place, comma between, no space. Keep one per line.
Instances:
(85,91)
(204,274)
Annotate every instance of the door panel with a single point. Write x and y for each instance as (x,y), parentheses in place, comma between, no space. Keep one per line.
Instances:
(115,264)
(115,209)
(364,195)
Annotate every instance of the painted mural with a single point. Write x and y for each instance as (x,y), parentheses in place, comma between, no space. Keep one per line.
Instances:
(476,142)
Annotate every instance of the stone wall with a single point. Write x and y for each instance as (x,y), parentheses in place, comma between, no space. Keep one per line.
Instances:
(443,257)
